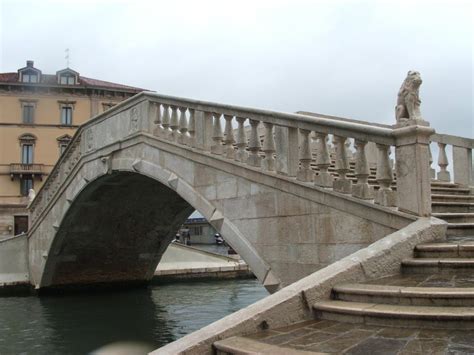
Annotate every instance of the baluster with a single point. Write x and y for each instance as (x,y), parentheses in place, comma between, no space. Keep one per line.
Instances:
(349,153)
(361,189)
(323,161)
(443,174)
(269,147)
(217,135)
(432,171)
(165,123)
(385,195)
(174,124)
(183,126)
(229,137)
(305,173)
(192,128)
(332,147)
(254,145)
(342,184)
(242,154)
(158,129)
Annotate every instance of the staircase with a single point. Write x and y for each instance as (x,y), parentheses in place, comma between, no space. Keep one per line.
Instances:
(427,308)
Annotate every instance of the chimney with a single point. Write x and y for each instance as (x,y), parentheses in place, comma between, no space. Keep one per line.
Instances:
(29,63)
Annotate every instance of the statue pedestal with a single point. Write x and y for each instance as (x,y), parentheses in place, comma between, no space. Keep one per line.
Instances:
(404,122)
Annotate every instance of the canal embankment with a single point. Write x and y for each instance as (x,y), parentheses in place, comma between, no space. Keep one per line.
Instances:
(183,262)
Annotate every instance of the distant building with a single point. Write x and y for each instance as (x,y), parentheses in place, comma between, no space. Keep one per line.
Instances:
(39,114)
(200,230)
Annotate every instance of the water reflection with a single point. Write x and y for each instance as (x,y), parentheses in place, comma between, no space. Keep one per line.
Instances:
(77,324)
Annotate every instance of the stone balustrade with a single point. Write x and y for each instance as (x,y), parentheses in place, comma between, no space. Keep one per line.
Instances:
(461,162)
(301,147)
(288,142)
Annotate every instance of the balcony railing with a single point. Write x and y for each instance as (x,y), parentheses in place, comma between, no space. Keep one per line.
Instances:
(26,169)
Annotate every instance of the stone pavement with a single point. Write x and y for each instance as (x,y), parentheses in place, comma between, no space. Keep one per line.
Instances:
(325,336)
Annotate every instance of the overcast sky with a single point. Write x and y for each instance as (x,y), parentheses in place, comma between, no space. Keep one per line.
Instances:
(344,58)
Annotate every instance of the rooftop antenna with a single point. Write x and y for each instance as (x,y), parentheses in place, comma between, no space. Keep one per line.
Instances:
(67,57)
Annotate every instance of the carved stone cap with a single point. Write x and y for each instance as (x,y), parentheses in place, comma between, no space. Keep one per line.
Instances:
(413,134)
(410,122)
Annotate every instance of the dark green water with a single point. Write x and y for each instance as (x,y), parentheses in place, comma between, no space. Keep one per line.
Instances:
(80,323)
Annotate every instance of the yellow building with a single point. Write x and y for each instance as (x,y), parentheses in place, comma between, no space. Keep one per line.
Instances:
(39,114)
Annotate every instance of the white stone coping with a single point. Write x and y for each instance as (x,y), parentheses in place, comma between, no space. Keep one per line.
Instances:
(453,140)
(315,123)
(294,302)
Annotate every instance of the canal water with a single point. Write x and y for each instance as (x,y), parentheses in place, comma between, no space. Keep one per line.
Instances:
(80,323)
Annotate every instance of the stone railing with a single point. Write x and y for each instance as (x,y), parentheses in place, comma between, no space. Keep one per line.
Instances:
(462,164)
(223,131)
(286,147)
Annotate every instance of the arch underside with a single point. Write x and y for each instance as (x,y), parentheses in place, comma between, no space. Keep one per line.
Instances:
(115,231)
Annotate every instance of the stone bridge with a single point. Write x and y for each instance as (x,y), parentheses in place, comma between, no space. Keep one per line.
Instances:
(285,198)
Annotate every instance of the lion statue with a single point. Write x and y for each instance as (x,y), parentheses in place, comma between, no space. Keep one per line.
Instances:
(408,102)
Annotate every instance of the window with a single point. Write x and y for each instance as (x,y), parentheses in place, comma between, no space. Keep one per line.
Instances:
(26,183)
(21,224)
(62,148)
(107,105)
(29,78)
(66,79)
(195,230)
(66,115)
(63,142)
(27,153)
(28,113)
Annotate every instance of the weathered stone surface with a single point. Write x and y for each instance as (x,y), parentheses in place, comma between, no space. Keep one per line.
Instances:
(13,260)
(293,303)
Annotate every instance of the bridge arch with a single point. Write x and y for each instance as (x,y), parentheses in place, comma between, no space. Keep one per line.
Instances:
(283,224)
(121,219)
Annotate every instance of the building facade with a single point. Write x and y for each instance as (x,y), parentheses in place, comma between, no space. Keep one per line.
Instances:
(39,114)
(200,231)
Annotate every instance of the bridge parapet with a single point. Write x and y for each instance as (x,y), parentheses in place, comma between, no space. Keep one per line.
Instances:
(461,161)
(245,166)
(286,147)
(220,130)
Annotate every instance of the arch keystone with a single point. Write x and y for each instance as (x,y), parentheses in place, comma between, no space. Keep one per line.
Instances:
(173,181)
(56,226)
(137,164)
(217,220)
(271,283)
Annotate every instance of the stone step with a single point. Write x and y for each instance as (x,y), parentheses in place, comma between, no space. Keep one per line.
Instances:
(245,346)
(451,198)
(460,229)
(460,238)
(443,207)
(437,265)
(442,184)
(407,296)
(453,217)
(450,190)
(445,250)
(396,315)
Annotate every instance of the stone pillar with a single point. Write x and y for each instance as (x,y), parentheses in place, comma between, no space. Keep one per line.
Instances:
(286,150)
(203,130)
(432,171)
(463,166)
(413,169)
